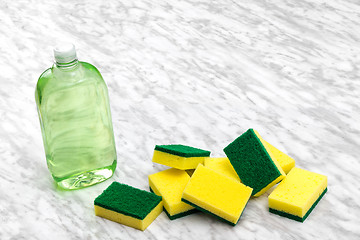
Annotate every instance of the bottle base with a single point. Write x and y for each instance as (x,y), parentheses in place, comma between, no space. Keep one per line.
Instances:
(86,179)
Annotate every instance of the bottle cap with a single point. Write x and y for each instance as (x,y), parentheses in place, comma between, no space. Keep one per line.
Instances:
(65,53)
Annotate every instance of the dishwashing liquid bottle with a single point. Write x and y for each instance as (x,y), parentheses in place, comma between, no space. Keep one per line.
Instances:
(73,106)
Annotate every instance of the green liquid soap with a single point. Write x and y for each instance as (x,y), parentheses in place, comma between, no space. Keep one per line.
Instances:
(73,106)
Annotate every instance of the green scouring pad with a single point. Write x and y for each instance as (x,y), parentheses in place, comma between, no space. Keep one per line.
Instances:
(179,156)
(253,163)
(128,205)
(182,150)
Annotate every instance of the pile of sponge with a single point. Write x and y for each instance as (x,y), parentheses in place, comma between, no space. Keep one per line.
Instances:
(221,187)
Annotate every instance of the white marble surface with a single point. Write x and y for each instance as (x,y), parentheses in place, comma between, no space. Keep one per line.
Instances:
(192,72)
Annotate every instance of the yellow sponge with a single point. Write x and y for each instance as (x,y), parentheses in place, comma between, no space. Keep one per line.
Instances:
(285,162)
(179,156)
(298,194)
(129,206)
(170,184)
(214,193)
(221,165)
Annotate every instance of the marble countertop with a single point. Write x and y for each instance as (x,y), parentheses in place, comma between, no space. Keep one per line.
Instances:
(193,72)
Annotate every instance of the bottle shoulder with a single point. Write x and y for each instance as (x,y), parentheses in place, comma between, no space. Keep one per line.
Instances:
(55,79)
(44,77)
(91,71)
(88,65)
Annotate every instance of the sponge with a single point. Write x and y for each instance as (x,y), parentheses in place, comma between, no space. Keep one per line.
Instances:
(221,165)
(179,156)
(285,162)
(214,193)
(170,184)
(298,194)
(254,164)
(129,206)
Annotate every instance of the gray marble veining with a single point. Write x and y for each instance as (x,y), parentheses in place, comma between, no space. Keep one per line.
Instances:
(192,72)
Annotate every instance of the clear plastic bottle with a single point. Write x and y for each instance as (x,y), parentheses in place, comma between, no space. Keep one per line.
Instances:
(73,106)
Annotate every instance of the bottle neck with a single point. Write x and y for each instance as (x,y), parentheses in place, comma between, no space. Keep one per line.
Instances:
(67,66)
